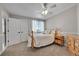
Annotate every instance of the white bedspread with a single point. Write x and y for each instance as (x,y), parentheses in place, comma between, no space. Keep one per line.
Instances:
(41,39)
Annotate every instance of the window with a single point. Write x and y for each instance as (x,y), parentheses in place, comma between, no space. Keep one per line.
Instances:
(38,26)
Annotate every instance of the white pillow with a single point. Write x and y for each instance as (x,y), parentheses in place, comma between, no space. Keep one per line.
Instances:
(52,31)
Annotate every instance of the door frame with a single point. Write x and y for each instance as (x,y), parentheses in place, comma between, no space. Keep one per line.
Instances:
(5,31)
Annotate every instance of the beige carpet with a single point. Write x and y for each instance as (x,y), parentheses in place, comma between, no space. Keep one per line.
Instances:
(22,50)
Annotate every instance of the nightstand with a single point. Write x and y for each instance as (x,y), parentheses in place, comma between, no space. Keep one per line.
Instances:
(59,40)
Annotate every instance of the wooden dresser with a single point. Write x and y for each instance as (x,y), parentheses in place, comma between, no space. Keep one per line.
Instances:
(77,47)
(73,44)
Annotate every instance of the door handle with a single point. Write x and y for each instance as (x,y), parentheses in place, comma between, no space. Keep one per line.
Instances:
(18,32)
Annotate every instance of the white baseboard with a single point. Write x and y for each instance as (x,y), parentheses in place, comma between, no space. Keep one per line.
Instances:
(3,50)
(17,43)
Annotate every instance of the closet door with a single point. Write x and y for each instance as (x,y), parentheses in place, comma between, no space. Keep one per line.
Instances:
(23,30)
(14,31)
(17,31)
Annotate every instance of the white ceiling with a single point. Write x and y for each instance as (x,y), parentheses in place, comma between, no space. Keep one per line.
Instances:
(35,9)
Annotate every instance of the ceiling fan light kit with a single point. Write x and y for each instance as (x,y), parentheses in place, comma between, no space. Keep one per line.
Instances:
(44,12)
(45,7)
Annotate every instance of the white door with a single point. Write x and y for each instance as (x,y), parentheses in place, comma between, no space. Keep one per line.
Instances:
(14,31)
(24,30)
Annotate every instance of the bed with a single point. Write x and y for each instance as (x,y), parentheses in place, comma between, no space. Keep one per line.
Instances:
(41,39)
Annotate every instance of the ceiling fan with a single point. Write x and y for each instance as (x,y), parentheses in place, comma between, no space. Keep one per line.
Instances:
(46,7)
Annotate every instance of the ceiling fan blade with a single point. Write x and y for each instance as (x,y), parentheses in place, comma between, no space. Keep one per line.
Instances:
(53,6)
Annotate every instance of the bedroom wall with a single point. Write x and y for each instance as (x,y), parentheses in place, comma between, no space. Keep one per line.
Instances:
(66,21)
(78,17)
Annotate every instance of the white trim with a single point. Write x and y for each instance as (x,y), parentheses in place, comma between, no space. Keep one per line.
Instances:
(18,43)
(70,33)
